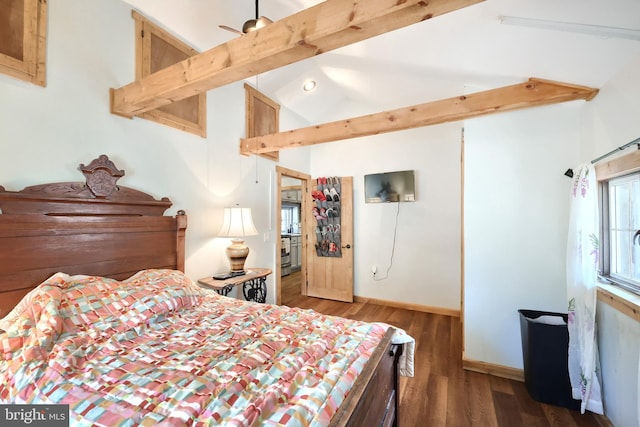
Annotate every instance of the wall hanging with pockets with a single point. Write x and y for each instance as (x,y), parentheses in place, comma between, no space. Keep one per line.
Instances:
(326,211)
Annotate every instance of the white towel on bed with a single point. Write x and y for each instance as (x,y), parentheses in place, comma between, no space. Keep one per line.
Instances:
(405,363)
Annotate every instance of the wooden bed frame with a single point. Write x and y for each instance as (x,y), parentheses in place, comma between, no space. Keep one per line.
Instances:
(94,227)
(99,228)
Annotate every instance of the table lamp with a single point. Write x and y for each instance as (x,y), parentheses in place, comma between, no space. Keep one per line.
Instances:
(237,223)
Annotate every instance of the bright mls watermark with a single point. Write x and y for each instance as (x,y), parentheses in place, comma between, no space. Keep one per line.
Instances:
(34,415)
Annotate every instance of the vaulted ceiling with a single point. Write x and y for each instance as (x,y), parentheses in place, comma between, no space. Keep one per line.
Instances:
(469,50)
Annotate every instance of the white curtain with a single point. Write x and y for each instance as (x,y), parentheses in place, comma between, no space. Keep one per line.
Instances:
(582,270)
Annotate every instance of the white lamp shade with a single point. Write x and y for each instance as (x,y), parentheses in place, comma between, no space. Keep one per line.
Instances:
(237,222)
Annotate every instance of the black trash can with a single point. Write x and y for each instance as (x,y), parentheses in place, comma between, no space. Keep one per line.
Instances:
(545,349)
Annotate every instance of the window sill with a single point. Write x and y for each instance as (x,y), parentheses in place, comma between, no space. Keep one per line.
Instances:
(620,299)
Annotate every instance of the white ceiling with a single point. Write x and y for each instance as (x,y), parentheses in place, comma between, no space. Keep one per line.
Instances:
(461,52)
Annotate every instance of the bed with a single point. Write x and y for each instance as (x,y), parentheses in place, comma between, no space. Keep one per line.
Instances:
(92,282)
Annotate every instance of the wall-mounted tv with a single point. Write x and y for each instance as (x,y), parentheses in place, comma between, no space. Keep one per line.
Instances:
(386,187)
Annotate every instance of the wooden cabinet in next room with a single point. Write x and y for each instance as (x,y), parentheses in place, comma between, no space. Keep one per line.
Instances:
(296,253)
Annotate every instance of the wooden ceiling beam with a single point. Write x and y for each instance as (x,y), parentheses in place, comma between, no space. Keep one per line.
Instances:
(327,26)
(533,93)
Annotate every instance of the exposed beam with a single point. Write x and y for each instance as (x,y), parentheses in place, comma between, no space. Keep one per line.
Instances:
(327,26)
(534,92)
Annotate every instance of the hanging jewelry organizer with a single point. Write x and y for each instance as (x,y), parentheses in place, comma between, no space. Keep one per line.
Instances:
(326,196)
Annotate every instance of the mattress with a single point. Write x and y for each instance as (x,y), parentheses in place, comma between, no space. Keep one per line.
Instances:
(156,349)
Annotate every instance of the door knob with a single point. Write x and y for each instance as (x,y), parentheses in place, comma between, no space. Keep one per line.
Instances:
(347,246)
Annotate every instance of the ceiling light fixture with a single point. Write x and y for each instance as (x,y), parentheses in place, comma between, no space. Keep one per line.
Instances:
(594,30)
(309,85)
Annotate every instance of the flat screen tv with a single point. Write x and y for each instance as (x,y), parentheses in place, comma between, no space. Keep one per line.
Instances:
(390,187)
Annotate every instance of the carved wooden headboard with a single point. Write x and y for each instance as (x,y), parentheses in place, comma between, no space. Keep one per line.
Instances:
(94,227)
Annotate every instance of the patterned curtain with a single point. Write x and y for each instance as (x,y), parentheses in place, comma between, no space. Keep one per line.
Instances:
(582,274)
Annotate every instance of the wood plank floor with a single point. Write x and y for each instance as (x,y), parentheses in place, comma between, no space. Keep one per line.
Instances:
(442,393)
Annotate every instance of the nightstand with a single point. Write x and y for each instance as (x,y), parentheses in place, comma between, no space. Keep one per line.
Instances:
(254,284)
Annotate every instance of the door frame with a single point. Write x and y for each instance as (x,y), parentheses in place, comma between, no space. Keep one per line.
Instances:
(305,184)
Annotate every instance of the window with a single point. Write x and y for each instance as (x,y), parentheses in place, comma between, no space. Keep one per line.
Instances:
(157,49)
(262,117)
(290,219)
(620,229)
(23,39)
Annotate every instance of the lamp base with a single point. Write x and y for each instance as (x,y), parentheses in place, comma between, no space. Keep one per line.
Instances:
(237,253)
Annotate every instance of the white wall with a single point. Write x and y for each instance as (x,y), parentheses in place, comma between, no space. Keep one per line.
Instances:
(516,214)
(609,121)
(426,262)
(619,344)
(45,133)
(515,224)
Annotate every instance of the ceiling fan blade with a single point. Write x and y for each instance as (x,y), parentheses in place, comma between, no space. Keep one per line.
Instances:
(233,30)
(250,25)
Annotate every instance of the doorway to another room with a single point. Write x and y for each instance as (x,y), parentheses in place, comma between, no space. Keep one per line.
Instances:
(291,265)
(320,240)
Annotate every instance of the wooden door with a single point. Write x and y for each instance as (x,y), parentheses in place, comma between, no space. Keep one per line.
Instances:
(330,267)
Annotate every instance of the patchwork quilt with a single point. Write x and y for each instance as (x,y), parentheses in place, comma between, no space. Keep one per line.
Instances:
(156,349)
